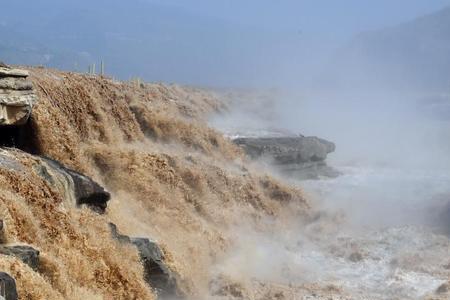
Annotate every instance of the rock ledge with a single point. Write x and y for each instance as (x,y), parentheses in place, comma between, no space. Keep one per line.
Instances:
(17,97)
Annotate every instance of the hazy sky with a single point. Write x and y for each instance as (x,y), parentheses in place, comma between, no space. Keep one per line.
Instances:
(333,18)
(202,42)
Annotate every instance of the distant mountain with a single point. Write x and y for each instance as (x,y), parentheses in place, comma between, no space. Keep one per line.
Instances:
(136,38)
(72,34)
(413,55)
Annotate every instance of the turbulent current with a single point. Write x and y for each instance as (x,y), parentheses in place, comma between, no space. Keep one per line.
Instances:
(382,230)
(394,244)
(228,227)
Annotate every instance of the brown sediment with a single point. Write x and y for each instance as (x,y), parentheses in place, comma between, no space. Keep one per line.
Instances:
(77,251)
(172,178)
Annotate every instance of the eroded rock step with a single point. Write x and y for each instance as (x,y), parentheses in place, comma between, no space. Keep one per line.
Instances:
(17,96)
(8,288)
(299,156)
(85,190)
(27,254)
(157,274)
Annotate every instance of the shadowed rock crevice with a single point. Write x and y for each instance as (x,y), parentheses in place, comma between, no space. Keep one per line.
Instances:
(17,99)
(9,136)
(20,137)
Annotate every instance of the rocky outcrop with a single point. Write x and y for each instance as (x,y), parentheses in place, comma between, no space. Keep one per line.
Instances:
(301,156)
(287,150)
(443,288)
(16,102)
(77,188)
(16,96)
(8,288)
(124,239)
(8,160)
(157,274)
(27,254)
(86,191)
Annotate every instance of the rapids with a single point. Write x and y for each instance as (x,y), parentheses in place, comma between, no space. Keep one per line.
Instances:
(392,245)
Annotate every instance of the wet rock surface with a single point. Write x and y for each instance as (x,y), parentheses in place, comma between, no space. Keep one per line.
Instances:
(287,150)
(300,156)
(87,191)
(8,287)
(7,160)
(27,254)
(17,97)
(157,274)
(125,239)
(443,289)
(76,187)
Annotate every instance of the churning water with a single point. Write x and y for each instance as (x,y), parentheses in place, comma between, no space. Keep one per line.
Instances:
(392,247)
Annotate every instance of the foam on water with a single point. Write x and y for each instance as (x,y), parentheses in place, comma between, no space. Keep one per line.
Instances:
(398,255)
(382,272)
